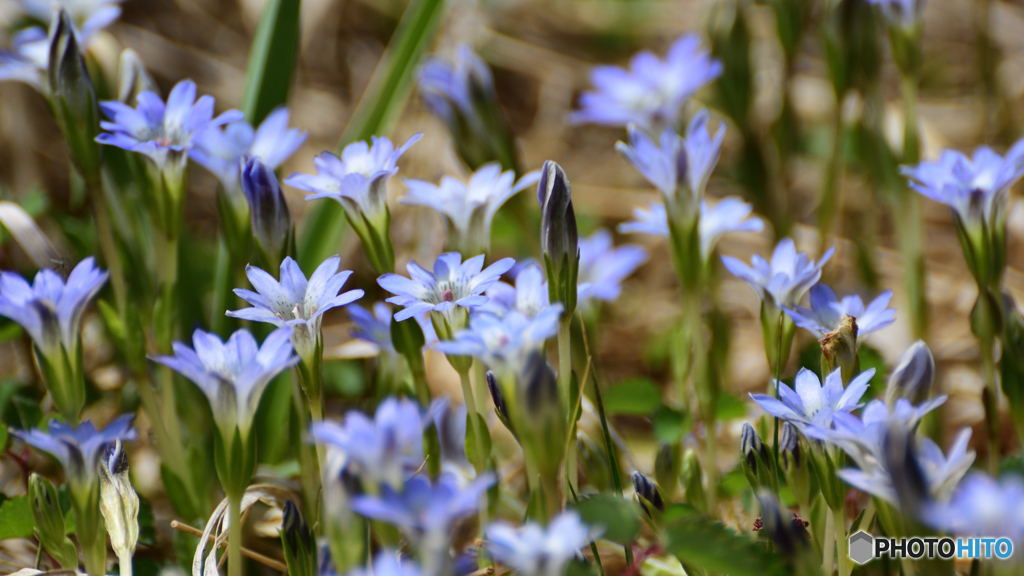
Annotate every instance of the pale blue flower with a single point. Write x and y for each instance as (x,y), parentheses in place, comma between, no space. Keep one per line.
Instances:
(159,130)
(538,550)
(27,59)
(373,326)
(452,284)
(976,188)
(729,214)
(232,374)
(905,13)
(49,309)
(294,301)
(827,310)
(679,168)
(530,295)
(388,563)
(446,87)
(812,403)
(603,266)
(469,207)
(424,508)
(652,91)
(503,344)
(783,280)
(88,16)
(223,151)
(357,179)
(382,449)
(982,506)
(79,449)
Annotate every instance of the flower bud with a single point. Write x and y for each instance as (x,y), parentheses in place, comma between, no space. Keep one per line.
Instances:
(542,419)
(908,480)
(118,501)
(298,542)
(693,482)
(271,221)
(49,522)
(794,464)
(667,467)
(133,79)
(73,98)
(648,494)
(787,533)
(839,349)
(499,401)
(913,377)
(758,464)
(559,239)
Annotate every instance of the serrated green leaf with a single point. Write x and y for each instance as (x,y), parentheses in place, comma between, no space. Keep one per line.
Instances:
(16,518)
(618,517)
(268,79)
(639,396)
(714,548)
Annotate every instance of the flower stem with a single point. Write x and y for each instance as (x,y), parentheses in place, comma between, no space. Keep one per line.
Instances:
(235,535)
(827,549)
(125,562)
(991,400)
(474,412)
(831,193)
(842,544)
(911,233)
(565,385)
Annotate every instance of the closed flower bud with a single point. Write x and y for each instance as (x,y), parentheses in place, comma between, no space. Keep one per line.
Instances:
(789,445)
(648,494)
(271,221)
(786,532)
(667,465)
(298,542)
(73,98)
(793,459)
(908,480)
(559,239)
(839,349)
(119,503)
(693,482)
(758,464)
(499,400)
(133,79)
(913,377)
(751,446)
(49,522)
(542,419)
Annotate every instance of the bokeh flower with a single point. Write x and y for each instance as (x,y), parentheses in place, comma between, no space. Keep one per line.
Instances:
(783,280)
(423,507)
(539,550)
(982,506)
(529,296)
(27,59)
(729,214)
(503,344)
(826,311)
(603,266)
(388,563)
(78,449)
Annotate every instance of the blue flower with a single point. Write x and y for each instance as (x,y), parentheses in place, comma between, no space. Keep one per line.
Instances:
(232,374)
(826,310)
(357,179)
(88,16)
(388,563)
(293,301)
(81,448)
(530,295)
(679,168)
(49,309)
(975,188)
(727,215)
(269,217)
(447,87)
(904,13)
(783,280)
(382,449)
(537,550)
(603,267)
(652,92)
(982,506)
(373,326)
(223,151)
(453,284)
(423,508)
(812,403)
(469,207)
(159,131)
(27,59)
(503,344)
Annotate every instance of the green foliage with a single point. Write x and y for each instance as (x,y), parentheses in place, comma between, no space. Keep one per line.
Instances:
(268,78)
(709,545)
(477,460)
(618,516)
(16,518)
(638,396)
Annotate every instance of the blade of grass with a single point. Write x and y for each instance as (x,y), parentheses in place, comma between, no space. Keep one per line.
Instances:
(379,106)
(268,79)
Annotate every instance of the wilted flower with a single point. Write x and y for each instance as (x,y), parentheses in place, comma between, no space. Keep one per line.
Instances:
(293,301)
(223,151)
(679,168)
(982,506)
(388,563)
(826,311)
(79,449)
(603,266)
(783,280)
(538,550)
(914,376)
(423,508)
(453,285)
(160,131)
(383,448)
(813,403)
(652,92)
(727,215)
(469,207)
(503,344)
(232,374)
(270,219)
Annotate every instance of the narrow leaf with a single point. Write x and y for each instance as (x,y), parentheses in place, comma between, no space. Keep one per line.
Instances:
(268,79)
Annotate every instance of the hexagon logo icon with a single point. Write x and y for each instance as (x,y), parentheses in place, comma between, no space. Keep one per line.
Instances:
(861,547)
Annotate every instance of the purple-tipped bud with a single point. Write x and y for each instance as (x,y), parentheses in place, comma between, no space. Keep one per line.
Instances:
(73,97)
(559,239)
(271,220)
(648,493)
(913,377)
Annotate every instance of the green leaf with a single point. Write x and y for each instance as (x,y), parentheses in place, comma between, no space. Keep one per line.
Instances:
(729,407)
(619,517)
(471,451)
(381,103)
(268,79)
(669,425)
(16,518)
(709,545)
(638,396)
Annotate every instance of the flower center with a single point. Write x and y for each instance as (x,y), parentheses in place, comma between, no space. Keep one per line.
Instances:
(448,296)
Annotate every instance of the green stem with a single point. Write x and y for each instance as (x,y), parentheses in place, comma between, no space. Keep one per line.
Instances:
(829,543)
(568,402)
(108,246)
(475,419)
(221,288)
(831,193)
(911,232)
(311,459)
(235,535)
(991,397)
(911,139)
(842,544)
